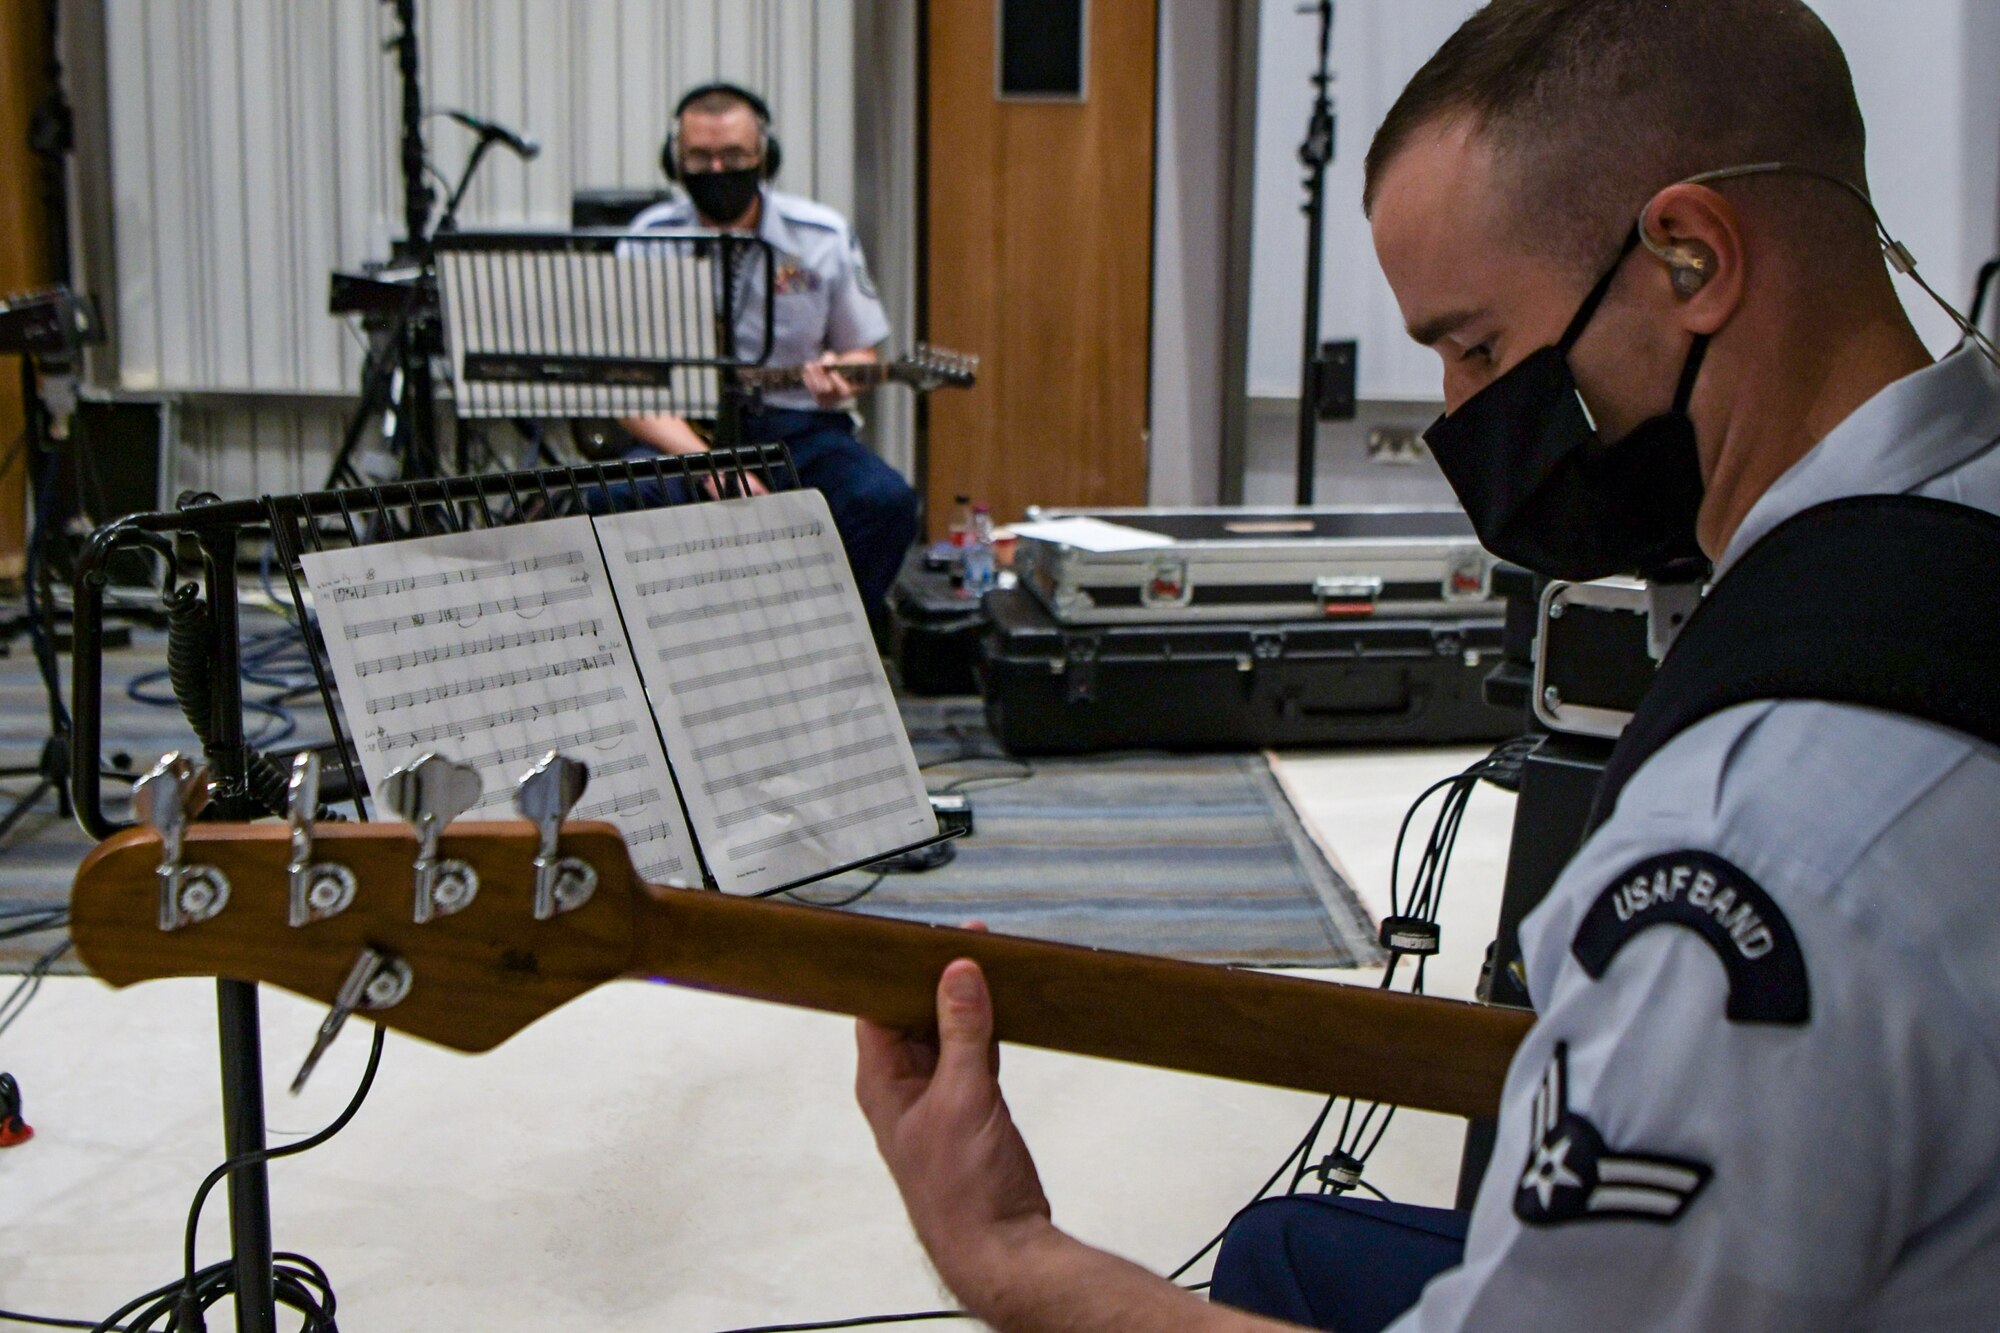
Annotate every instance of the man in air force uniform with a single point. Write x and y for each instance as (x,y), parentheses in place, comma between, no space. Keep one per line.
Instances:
(1761,1092)
(824,313)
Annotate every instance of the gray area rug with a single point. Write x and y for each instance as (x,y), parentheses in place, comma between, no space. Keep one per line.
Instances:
(1193,856)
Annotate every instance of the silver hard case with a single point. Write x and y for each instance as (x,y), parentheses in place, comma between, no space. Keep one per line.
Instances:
(1266,564)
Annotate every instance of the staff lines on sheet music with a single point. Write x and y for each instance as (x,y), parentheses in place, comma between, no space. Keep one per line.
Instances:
(451,615)
(706,716)
(656,871)
(659,829)
(354,592)
(529,713)
(714,678)
(598,773)
(703,754)
(615,805)
(498,643)
(728,541)
(768,634)
(805,831)
(710,610)
(866,745)
(497,680)
(786,566)
(840,788)
(516,753)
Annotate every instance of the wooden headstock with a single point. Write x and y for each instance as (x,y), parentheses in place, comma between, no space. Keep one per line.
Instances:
(477,976)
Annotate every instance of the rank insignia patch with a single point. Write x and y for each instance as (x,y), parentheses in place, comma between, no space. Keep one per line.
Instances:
(1703,893)
(1571,1176)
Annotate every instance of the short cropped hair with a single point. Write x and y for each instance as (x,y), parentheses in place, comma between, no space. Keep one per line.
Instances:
(720,102)
(1593,106)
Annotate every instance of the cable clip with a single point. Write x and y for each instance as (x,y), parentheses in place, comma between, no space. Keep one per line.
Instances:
(1409,934)
(1339,1171)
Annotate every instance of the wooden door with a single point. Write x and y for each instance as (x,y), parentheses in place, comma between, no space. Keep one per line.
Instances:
(1038,233)
(23,248)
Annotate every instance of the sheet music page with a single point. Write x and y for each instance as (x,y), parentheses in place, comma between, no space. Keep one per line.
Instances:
(493,647)
(756,653)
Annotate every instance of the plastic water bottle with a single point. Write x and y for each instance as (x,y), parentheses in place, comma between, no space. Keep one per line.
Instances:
(980,575)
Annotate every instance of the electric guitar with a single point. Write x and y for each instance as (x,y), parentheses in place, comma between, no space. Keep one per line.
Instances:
(515,925)
(924,369)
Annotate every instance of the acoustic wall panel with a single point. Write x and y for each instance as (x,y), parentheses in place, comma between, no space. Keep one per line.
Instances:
(254,147)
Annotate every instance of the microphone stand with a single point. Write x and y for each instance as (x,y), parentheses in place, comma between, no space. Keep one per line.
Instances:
(1314,154)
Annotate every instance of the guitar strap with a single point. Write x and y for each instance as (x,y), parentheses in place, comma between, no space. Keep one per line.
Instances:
(1884,601)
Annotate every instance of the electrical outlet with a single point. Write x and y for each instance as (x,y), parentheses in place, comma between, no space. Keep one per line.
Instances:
(1396,446)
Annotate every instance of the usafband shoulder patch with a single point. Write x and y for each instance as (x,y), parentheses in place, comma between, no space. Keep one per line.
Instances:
(1701,892)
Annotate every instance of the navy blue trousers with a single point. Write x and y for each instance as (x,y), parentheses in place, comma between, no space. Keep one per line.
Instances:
(874,509)
(1351,1265)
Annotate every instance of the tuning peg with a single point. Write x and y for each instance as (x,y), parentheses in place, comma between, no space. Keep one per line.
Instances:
(430,792)
(169,797)
(318,889)
(546,794)
(376,981)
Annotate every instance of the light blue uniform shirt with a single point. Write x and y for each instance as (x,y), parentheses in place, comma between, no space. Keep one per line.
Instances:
(1840,1173)
(825,300)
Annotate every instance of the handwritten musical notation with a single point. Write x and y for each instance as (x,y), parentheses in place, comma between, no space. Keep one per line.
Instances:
(459,615)
(765,680)
(498,643)
(351,592)
(534,661)
(496,680)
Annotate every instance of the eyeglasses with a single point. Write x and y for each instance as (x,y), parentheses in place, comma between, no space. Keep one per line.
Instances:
(695,160)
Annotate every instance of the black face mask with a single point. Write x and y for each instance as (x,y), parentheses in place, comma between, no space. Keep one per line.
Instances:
(1544,490)
(723,196)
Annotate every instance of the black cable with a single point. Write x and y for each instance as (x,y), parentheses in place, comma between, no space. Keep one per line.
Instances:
(30,985)
(1424,900)
(298,1283)
(860,1321)
(51,1321)
(855,897)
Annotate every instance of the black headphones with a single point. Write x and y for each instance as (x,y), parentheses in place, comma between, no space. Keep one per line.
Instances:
(670,151)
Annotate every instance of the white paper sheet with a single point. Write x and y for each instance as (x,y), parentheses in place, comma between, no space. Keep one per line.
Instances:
(750,635)
(493,647)
(1091,534)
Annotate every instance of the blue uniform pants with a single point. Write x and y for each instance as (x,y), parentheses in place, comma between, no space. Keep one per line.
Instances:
(874,509)
(1351,1265)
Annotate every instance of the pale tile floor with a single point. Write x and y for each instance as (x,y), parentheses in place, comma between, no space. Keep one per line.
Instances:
(648,1158)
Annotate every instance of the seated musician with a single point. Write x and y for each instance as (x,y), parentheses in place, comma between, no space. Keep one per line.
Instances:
(723,154)
(1776,1110)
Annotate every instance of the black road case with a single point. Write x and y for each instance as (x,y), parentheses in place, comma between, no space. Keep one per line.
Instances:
(1054,689)
(936,630)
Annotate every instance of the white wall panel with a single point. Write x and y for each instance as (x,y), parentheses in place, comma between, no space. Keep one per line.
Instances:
(254,148)
(1922,70)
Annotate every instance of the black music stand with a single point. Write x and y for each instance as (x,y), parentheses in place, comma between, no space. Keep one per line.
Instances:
(545,325)
(294,525)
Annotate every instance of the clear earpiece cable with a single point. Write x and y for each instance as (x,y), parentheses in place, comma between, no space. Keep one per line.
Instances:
(1895,251)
